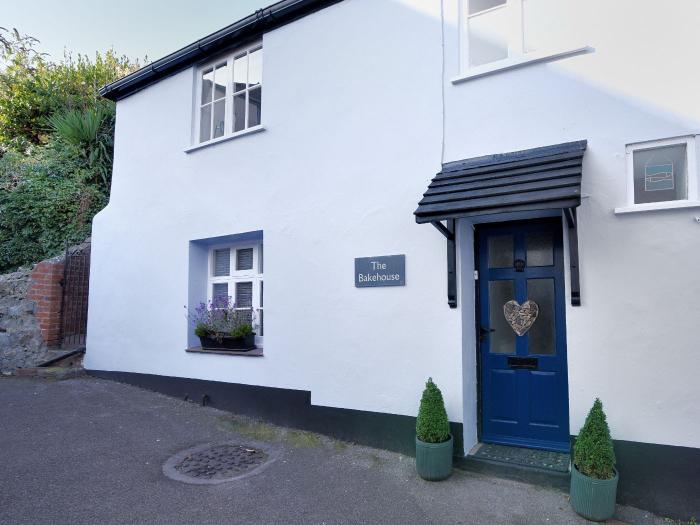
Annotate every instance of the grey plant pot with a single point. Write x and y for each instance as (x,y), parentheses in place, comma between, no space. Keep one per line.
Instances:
(592,498)
(434,460)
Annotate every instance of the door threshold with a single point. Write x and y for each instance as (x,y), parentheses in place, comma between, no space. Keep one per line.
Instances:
(523,457)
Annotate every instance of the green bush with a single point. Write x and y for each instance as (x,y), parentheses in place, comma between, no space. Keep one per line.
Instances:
(594,455)
(44,204)
(432,425)
(56,147)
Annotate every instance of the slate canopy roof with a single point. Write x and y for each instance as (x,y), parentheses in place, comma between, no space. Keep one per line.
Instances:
(535,179)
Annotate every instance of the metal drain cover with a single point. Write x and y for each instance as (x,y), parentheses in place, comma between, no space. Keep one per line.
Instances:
(209,464)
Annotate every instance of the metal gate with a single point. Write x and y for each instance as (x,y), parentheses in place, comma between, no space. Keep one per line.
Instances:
(74,304)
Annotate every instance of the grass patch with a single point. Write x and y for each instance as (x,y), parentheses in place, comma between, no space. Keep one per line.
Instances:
(252,429)
(302,439)
(340,446)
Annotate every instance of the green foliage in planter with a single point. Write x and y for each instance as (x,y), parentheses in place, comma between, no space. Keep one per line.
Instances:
(432,425)
(201,330)
(241,331)
(594,455)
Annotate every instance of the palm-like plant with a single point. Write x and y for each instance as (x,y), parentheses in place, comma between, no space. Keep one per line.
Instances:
(90,131)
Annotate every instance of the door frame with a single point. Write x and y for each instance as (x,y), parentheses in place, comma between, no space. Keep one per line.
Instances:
(478,228)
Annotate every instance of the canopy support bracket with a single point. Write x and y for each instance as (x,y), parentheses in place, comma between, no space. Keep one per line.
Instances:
(572,223)
(449,233)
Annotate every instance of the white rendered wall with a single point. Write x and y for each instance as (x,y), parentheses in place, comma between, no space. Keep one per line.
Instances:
(633,343)
(353,135)
(353,117)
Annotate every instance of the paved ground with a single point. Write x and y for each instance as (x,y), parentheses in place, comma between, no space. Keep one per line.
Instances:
(88,451)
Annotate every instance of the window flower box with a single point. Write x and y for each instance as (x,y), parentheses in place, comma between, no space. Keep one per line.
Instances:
(228,342)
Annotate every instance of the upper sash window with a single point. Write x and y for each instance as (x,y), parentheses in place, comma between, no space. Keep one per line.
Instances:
(229,95)
(504,32)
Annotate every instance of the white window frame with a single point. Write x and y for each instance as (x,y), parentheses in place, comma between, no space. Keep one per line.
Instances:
(519,57)
(691,201)
(228,112)
(254,275)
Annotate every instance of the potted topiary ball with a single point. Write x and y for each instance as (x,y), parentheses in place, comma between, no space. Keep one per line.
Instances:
(433,438)
(593,476)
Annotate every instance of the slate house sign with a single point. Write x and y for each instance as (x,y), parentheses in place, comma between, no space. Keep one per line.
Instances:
(386,270)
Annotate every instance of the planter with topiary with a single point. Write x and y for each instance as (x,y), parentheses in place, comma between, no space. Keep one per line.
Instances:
(593,475)
(433,438)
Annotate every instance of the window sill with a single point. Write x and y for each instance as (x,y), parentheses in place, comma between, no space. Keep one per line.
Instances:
(654,206)
(249,131)
(516,63)
(257,352)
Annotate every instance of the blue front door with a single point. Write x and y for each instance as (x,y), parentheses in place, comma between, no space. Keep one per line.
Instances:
(522,339)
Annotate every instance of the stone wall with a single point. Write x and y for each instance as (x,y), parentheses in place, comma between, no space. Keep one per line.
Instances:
(21,341)
(30,313)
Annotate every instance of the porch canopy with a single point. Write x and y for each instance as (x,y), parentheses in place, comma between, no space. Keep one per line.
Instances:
(535,179)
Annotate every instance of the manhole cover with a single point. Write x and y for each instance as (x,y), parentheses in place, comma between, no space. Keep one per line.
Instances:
(217,463)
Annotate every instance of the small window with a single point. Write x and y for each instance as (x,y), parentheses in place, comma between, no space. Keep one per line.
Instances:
(660,174)
(240,282)
(229,95)
(661,171)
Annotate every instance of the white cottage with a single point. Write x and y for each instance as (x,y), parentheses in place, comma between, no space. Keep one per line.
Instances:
(563,135)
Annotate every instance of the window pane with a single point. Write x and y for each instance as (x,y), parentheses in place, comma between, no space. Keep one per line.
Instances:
(480,5)
(207,83)
(240,72)
(219,294)
(222,262)
(219,118)
(221,81)
(261,294)
(254,106)
(239,112)
(502,336)
(488,37)
(501,251)
(244,295)
(540,249)
(540,337)
(260,259)
(261,324)
(205,123)
(660,174)
(244,259)
(255,67)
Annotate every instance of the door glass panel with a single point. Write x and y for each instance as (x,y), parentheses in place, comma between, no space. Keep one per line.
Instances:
(501,251)
(541,337)
(502,336)
(540,248)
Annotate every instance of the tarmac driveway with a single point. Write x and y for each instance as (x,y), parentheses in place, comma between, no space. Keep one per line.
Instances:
(90,451)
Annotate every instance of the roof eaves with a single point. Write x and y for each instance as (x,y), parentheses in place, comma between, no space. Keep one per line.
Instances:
(245,29)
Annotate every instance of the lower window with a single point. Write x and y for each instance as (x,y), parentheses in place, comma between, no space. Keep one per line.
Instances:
(236,276)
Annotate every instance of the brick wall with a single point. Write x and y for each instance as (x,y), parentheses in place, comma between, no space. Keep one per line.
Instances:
(46,292)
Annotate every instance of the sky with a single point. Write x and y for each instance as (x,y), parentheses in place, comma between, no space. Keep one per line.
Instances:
(136,28)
